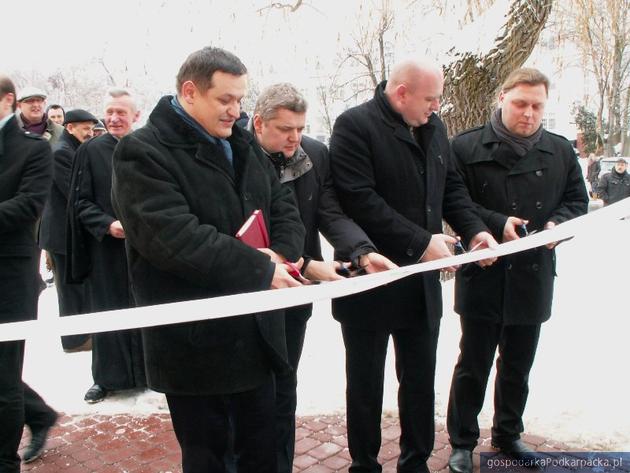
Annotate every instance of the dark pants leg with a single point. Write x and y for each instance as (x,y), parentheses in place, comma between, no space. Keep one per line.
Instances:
(517,349)
(71,298)
(365,365)
(11,405)
(415,369)
(477,347)
(201,426)
(37,414)
(286,386)
(118,360)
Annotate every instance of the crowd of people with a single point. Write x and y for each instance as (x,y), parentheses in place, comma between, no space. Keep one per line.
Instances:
(135,218)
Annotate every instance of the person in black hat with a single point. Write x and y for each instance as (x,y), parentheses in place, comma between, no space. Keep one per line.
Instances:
(99,128)
(79,126)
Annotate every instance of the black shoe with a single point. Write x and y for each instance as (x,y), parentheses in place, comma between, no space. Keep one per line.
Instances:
(519,451)
(38,442)
(95,394)
(460,461)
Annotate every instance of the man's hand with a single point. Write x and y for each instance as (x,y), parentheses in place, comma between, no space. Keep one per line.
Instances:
(50,265)
(548,226)
(275,257)
(437,249)
(322,271)
(375,263)
(480,241)
(116,230)
(282,278)
(509,230)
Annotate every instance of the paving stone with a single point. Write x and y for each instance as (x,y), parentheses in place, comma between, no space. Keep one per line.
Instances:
(336,463)
(304,461)
(324,450)
(390,433)
(315,425)
(534,440)
(319,469)
(305,445)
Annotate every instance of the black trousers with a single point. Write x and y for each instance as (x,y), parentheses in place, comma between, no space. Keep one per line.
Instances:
(72,300)
(366,351)
(202,425)
(286,386)
(19,405)
(517,349)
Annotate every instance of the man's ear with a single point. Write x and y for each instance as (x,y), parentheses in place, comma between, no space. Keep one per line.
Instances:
(258,123)
(189,91)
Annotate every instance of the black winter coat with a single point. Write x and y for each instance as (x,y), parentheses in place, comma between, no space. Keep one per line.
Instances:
(25,178)
(320,210)
(181,203)
(614,187)
(52,231)
(397,186)
(545,185)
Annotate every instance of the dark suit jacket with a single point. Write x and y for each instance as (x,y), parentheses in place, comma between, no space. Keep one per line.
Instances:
(181,203)
(25,178)
(320,210)
(397,186)
(52,231)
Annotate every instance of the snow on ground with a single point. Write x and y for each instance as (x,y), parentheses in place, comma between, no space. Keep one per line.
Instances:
(578,387)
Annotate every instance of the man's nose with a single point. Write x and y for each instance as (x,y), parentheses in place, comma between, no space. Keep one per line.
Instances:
(234,111)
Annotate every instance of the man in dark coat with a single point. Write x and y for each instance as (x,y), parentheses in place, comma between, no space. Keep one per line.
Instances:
(394,176)
(98,251)
(183,186)
(52,231)
(25,177)
(302,165)
(517,174)
(615,185)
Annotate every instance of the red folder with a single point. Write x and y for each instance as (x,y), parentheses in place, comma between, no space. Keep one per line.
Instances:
(254,232)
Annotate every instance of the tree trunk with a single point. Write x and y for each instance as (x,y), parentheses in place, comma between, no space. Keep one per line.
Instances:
(472,80)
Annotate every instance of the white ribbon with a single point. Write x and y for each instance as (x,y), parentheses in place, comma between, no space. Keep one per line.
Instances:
(238,304)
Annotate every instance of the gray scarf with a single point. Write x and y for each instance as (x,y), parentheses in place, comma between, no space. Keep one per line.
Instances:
(520,145)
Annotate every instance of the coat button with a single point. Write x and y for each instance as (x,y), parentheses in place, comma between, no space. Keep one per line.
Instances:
(535,267)
(246,196)
(509,266)
(409,252)
(539,173)
(539,205)
(513,206)
(428,209)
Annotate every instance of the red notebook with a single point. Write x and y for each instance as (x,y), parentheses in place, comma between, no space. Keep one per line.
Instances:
(254,232)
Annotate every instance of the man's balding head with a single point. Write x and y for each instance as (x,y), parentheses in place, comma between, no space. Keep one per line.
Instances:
(414,90)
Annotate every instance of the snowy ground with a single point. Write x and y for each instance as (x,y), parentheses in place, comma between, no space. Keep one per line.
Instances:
(578,388)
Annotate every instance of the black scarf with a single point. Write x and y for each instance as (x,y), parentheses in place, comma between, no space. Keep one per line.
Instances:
(521,145)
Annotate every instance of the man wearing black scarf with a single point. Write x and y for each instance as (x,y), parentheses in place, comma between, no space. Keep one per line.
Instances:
(522,178)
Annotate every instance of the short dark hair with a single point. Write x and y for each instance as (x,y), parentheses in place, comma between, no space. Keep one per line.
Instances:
(55,106)
(7,87)
(201,65)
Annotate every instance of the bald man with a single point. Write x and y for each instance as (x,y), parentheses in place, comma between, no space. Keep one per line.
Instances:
(395,177)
